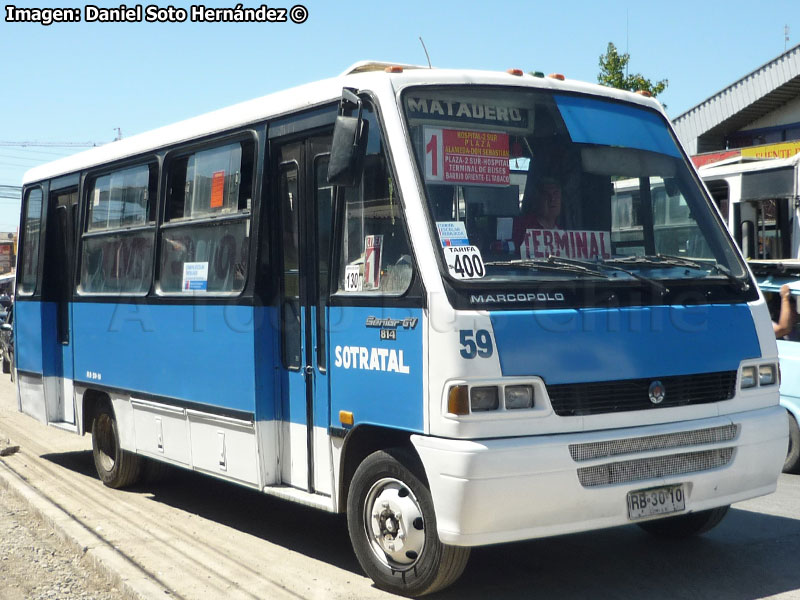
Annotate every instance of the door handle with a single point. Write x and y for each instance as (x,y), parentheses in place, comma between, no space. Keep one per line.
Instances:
(309,370)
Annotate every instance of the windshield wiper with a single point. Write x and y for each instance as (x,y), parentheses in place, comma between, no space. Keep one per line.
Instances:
(660,287)
(740,282)
(657,260)
(548,265)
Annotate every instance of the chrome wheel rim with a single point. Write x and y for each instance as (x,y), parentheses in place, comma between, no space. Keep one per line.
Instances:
(393,524)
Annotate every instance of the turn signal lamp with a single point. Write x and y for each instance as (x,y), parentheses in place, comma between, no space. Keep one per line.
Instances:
(517,72)
(394,69)
(345,417)
(458,400)
(558,76)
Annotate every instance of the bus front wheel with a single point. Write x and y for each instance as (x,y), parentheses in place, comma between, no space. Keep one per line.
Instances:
(792,463)
(683,526)
(392,527)
(117,468)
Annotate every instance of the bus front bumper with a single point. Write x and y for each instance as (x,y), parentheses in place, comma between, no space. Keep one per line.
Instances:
(509,489)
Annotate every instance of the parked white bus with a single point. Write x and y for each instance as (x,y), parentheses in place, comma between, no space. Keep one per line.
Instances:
(403,294)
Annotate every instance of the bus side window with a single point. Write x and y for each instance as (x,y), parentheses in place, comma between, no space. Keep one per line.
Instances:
(376,253)
(31,230)
(120,229)
(206,237)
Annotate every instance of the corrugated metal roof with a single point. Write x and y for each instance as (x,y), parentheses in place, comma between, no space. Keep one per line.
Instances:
(751,97)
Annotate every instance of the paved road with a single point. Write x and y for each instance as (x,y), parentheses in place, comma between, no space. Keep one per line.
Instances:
(196,538)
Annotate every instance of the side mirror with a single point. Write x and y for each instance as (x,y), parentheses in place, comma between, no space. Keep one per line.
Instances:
(349,145)
(749,239)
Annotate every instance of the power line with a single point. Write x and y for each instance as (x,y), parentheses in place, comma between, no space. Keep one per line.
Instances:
(25,144)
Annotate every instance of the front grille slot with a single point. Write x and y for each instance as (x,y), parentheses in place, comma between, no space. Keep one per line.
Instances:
(581,399)
(655,467)
(666,441)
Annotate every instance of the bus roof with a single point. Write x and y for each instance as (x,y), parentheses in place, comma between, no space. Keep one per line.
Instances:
(364,75)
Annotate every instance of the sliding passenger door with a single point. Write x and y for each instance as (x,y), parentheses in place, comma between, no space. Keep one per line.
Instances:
(303,231)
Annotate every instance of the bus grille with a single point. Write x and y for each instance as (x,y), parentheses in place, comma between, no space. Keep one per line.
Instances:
(580,399)
(664,441)
(654,467)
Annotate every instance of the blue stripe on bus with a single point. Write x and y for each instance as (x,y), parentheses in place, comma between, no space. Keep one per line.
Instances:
(587,345)
(591,121)
(201,353)
(378,380)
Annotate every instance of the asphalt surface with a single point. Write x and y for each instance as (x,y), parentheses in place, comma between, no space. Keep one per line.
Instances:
(193,537)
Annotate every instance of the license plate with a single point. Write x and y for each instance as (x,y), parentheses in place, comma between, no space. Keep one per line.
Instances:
(656,501)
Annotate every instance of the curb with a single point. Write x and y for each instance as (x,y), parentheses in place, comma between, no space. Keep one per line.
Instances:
(134,582)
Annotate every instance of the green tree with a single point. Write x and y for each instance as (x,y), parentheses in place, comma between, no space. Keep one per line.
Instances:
(613,66)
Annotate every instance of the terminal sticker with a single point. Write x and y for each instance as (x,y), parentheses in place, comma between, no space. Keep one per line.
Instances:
(464,262)
(541,243)
(452,233)
(217,189)
(195,277)
(466,157)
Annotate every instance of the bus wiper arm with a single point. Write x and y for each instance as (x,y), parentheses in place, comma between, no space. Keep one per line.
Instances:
(656,285)
(657,260)
(548,265)
(740,282)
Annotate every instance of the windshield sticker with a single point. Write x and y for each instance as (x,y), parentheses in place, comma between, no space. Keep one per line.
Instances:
(353,281)
(466,112)
(541,243)
(467,157)
(464,262)
(452,233)
(195,277)
(372,261)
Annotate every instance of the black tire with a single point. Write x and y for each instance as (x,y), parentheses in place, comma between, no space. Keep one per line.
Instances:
(422,564)
(117,468)
(683,526)
(792,462)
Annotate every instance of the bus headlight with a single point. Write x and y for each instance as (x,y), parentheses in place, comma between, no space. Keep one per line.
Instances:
(748,377)
(766,374)
(484,398)
(518,396)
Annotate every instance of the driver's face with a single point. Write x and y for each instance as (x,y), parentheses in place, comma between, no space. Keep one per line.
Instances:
(548,201)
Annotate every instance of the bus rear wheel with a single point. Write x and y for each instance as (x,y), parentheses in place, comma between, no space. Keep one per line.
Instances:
(117,468)
(392,527)
(792,463)
(683,526)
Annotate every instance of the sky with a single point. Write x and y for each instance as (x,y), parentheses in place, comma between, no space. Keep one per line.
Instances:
(80,82)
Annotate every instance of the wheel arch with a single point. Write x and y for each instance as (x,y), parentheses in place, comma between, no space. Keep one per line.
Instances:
(93,401)
(363,440)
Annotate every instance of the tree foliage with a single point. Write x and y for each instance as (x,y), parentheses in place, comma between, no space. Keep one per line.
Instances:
(612,73)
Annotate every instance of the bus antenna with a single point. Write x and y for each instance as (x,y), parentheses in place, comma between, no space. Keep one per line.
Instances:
(426,52)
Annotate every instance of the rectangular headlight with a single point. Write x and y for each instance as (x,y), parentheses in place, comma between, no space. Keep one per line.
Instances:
(767,375)
(748,377)
(484,398)
(519,396)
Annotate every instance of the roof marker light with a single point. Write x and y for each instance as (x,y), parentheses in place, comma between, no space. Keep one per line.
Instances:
(538,74)
(394,69)
(517,72)
(644,93)
(558,76)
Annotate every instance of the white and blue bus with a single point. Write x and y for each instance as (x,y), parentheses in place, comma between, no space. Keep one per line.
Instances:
(342,295)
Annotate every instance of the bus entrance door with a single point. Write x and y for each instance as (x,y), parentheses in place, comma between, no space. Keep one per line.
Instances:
(57,347)
(304,233)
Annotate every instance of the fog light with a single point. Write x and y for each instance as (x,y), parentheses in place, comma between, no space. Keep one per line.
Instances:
(519,396)
(483,398)
(748,377)
(766,375)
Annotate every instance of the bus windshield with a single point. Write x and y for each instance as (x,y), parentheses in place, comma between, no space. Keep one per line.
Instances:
(531,186)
